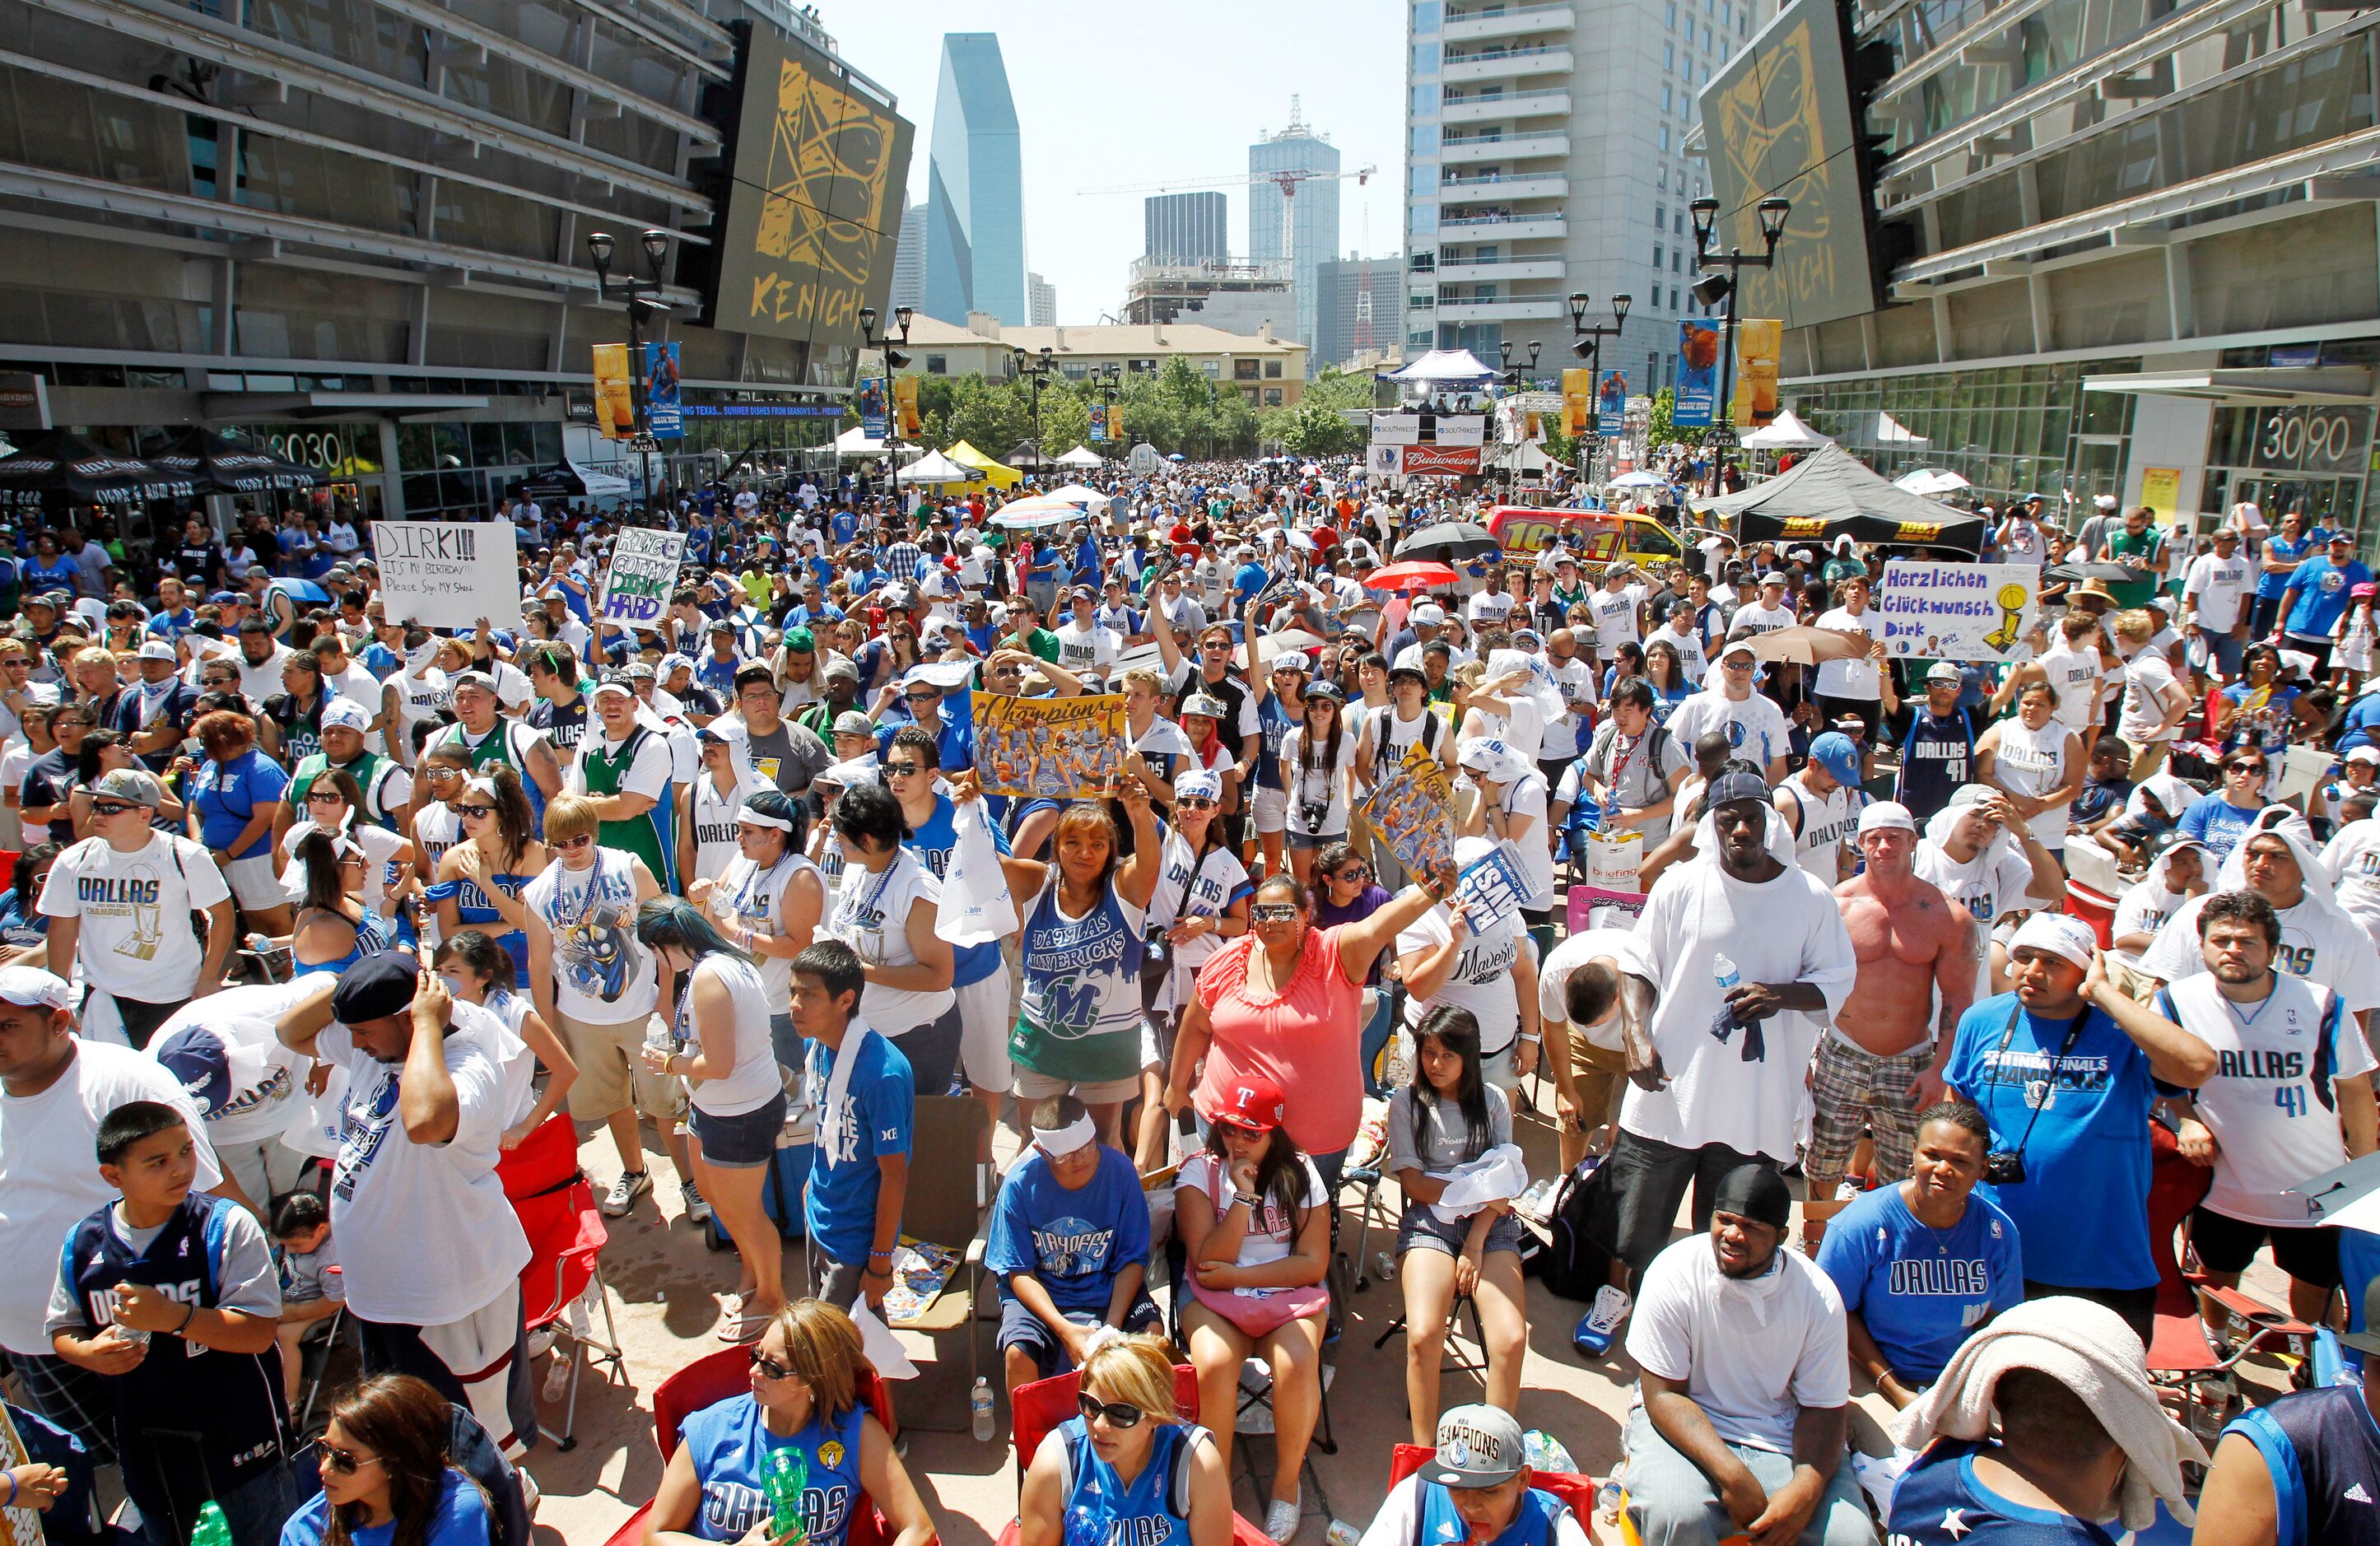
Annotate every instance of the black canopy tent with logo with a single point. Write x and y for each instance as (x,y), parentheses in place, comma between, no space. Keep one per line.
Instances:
(57,469)
(1831,494)
(216,464)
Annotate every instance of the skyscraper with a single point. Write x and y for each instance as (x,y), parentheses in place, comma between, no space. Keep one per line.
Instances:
(1041,301)
(975,196)
(1355,308)
(1314,233)
(1186,229)
(909,258)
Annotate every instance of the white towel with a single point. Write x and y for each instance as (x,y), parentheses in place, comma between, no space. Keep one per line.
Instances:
(2088,1348)
(1499,1176)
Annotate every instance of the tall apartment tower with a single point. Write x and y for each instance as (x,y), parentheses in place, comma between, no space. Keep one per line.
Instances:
(1041,301)
(1186,229)
(1313,235)
(975,196)
(1546,147)
(909,258)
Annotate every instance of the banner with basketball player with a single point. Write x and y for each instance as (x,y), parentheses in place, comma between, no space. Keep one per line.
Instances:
(1957,611)
(1412,810)
(1058,748)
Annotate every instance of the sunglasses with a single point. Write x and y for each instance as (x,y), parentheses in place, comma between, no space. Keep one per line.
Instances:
(1238,1129)
(1196,802)
(1119,1414)
(474,810)
(110,808)
(346,1462)
(324,796)
(770,1368)
(2256,768)
(1274,912)
(568,844)
(1355,872)
(922,697)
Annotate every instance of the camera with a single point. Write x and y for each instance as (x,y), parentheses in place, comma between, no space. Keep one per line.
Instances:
(2005,1167)
(1312,813)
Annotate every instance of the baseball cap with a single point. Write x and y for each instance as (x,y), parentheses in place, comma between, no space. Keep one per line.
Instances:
(1742,645)
(615,681)
(32,985)
(2057,934)
(1944,671)
(1837,753)
(839,667)
(1198,784)
(2103,501)
(1478,1446)
(228,598)
(800,639)
(156,650)
(475,679)
(1886,816)
(1428,612)
(639,671)
(1201,703)
(1773,578)
(134,785)
(1247,1099)
(346,714)
(2365,754)
(1411,672)
(1726,788)
(726,732)
(851,722)
(381,984)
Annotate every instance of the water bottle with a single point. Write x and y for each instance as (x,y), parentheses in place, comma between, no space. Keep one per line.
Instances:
(1384,1266)
(1723,1022)
(784,1481)
(1089,1522)
(213,1529)
(658,1037)
(979,1410)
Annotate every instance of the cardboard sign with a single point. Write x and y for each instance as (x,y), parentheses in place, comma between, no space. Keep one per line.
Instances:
(1411,808)
(1957,611)
(1492,887)
(449,573)
(643,571)
(1058,748)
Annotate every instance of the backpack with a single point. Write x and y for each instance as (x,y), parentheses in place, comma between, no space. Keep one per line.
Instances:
(1573,1264)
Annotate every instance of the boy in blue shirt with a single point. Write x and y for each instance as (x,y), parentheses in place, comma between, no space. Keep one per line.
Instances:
(861,1088)
(1922,1263)
(1070,1243)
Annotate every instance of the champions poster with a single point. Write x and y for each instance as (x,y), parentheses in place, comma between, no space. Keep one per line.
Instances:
(1411,809)
(1057,748)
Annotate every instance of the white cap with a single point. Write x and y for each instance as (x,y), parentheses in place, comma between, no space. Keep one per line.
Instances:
(1886,816)
(1428,612)
(2365,754)
(345,713)
(32,985)
(2059,934)
(2104,500)
(156,650)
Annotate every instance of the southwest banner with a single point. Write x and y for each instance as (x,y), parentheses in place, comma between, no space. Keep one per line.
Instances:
(1697,399)
(1759,347)
(615,396)
(660,391)
(1578,385)
(1611,410)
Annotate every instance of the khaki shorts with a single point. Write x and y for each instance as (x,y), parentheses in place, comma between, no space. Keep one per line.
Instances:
(611,1074)
(1601,1076)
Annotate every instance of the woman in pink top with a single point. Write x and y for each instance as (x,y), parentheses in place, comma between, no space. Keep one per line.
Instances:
(1281,1002)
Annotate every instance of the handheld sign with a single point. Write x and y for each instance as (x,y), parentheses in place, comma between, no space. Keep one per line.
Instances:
(1061,747)
(449,573)
(643,571)
(1957,611)
(1411,808)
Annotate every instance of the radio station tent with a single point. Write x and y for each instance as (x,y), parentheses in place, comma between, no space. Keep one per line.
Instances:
(1832,493)
(999,475)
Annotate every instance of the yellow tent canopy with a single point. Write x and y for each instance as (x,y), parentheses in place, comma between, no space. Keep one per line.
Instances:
(1001,475)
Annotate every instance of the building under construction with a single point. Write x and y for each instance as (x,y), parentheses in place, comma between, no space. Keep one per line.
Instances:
(1236,296)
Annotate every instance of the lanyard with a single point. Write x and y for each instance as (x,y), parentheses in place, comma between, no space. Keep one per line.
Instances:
(2073,1034)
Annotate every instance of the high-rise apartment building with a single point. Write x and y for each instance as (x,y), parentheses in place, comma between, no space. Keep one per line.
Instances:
(975,196)
(1546,155)
(1041,301)
(1312,237)
(1186,229)
(1356,308)
(909,259)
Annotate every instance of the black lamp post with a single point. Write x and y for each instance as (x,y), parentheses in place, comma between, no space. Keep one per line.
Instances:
(1715,286)
(1038,368)
(1108,384)
(1586,343)
(893,360)
(643,299)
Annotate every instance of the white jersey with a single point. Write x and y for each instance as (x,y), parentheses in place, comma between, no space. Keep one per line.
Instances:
(1615,619)
(1755,726)
(1825,827)
(2218,586)
(2075,676)
(1995,882)
(714,825)
(2032,762)
(2320,944)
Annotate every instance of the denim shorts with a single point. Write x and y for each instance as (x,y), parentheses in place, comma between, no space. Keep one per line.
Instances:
(1420,1228)
(744,1142)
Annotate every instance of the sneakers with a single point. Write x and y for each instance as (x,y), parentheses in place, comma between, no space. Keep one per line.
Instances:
(632,1185)
(698,1213)
(1596,1328)
(530,1496)
(1280,1520)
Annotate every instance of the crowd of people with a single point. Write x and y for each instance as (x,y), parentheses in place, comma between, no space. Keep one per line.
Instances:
(319,915)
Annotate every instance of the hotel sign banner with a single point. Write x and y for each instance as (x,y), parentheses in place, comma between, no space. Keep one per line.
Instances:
(814,200)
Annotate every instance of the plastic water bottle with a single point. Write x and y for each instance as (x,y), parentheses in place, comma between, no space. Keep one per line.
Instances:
(1729,978)
(1384,1266)
(787,1476)
(979,1410)
(213,1529)
(1086,1526)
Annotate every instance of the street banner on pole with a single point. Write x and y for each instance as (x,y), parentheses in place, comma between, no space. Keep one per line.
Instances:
(1698,342)
(904,406)
(1411,810)
(1957,611)
(615,399)
(873,418)
(660,391)
(1578,389)
(449,573)
(1759,347)
(1099,423)
(644,570)
(1066,748)
(1611,410)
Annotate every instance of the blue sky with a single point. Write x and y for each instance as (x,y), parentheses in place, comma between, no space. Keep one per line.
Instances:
(1127,93)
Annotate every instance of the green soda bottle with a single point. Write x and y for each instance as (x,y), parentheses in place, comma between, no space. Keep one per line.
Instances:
(213,1530)
(787,1477)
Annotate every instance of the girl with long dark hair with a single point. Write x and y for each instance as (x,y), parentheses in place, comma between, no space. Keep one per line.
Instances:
(477,970)
(1317,765)
(480,879)
(387,1475)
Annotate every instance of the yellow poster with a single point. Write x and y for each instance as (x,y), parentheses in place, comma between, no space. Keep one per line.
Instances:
(904,406)
(1067,747)
(1578,399)
(2161,490)
(1759,347)
(615,401)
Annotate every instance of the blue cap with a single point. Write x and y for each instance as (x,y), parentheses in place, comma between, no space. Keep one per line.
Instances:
(226,597)
(1838,754)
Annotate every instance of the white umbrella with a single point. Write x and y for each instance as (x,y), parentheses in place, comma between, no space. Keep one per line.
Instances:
(1931,481)
(1636,481)
(1040,510)
(1078,495)
(1081,455)
(935,468)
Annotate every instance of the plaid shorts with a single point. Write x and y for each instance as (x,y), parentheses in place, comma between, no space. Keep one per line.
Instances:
(1858,1093)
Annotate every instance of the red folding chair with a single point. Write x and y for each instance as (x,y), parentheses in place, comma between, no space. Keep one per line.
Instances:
(1035,1409)
(1569,1486)
(556,1210)
(714,1378)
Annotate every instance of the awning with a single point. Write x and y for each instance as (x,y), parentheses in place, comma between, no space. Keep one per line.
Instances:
(2250,384)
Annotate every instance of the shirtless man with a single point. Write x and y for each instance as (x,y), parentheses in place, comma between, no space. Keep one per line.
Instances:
(1874,1069)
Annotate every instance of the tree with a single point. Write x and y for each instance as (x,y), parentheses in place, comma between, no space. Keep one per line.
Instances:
(1660,430)
(1312,428)
(987,418)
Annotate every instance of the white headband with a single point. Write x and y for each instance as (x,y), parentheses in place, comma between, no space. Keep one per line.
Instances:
(751,818)
(481,786)
(1059,1142)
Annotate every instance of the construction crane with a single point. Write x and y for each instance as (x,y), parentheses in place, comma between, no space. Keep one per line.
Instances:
(1287,180)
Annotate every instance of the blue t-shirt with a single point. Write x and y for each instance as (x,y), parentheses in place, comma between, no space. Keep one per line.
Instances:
(227,797)
(1274,722)
(1940,1501)
(2081,1210)
(170,625)
(1921,1290)
(461,1520)
(2216,822)
(1073,1242)
(932,844)
(18,931)
(2362,719)
(730,1444)
(2274,586)
(880,1105)
(2322,589)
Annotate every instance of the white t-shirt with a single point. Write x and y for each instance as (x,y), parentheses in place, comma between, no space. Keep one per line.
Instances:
(754,1081)
(2352,857)
(715,825)
(1756,618)
(260,682)
(1576,684)
(2273,1126)
(1688,645)
(1850,678)
(1756,725)
(1094,649)
(2145,909)
(1307,784)
(2148,687)
(257,1099)
(1527,796)
(871,914)
(1270,1236)
(1785,929)
(137,939)
(2318,944)
(1221,878)
(751,897)
(1570,953)
(1615,618)
(1491,607)
(1751,1353)
(391,1197)
(2075,675)
(1481,979)
(50,1182)
(602,973)
(1997,881)
(2219,584)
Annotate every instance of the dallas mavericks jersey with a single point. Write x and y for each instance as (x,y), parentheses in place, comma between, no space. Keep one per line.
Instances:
(1101,1510)
(2324,1453)
(1532,1525)
(731,1446)
(1080,1016)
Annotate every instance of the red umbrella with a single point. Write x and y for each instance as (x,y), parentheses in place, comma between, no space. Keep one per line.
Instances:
(1413,575)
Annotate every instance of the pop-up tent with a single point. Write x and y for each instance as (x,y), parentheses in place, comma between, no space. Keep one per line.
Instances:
(1784,433)
(1000,475)
(1832,492)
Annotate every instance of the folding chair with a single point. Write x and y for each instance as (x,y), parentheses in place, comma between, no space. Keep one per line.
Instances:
(1040,1406)
(717,1377)
(946,1205)
(1576,1490)
(328,1344)
(1177,1268)
(566,1238)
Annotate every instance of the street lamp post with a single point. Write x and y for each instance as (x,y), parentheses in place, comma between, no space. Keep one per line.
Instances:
(1512,374)
(1109,385)
(893,360)
(643,299)
(1586,343)
(1027,365)
(1717,286)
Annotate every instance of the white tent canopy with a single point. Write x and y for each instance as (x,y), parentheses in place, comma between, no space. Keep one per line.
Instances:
(1891,432)
(1081,455)
(1522,457)
(1932,481)
(854,443)
(1445,365)
(1078,495)
(935,468)
(1785,433)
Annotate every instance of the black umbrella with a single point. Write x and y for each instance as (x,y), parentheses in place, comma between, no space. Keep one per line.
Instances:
(215,464)
(1452,541)
(2107,574)
(57,467)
